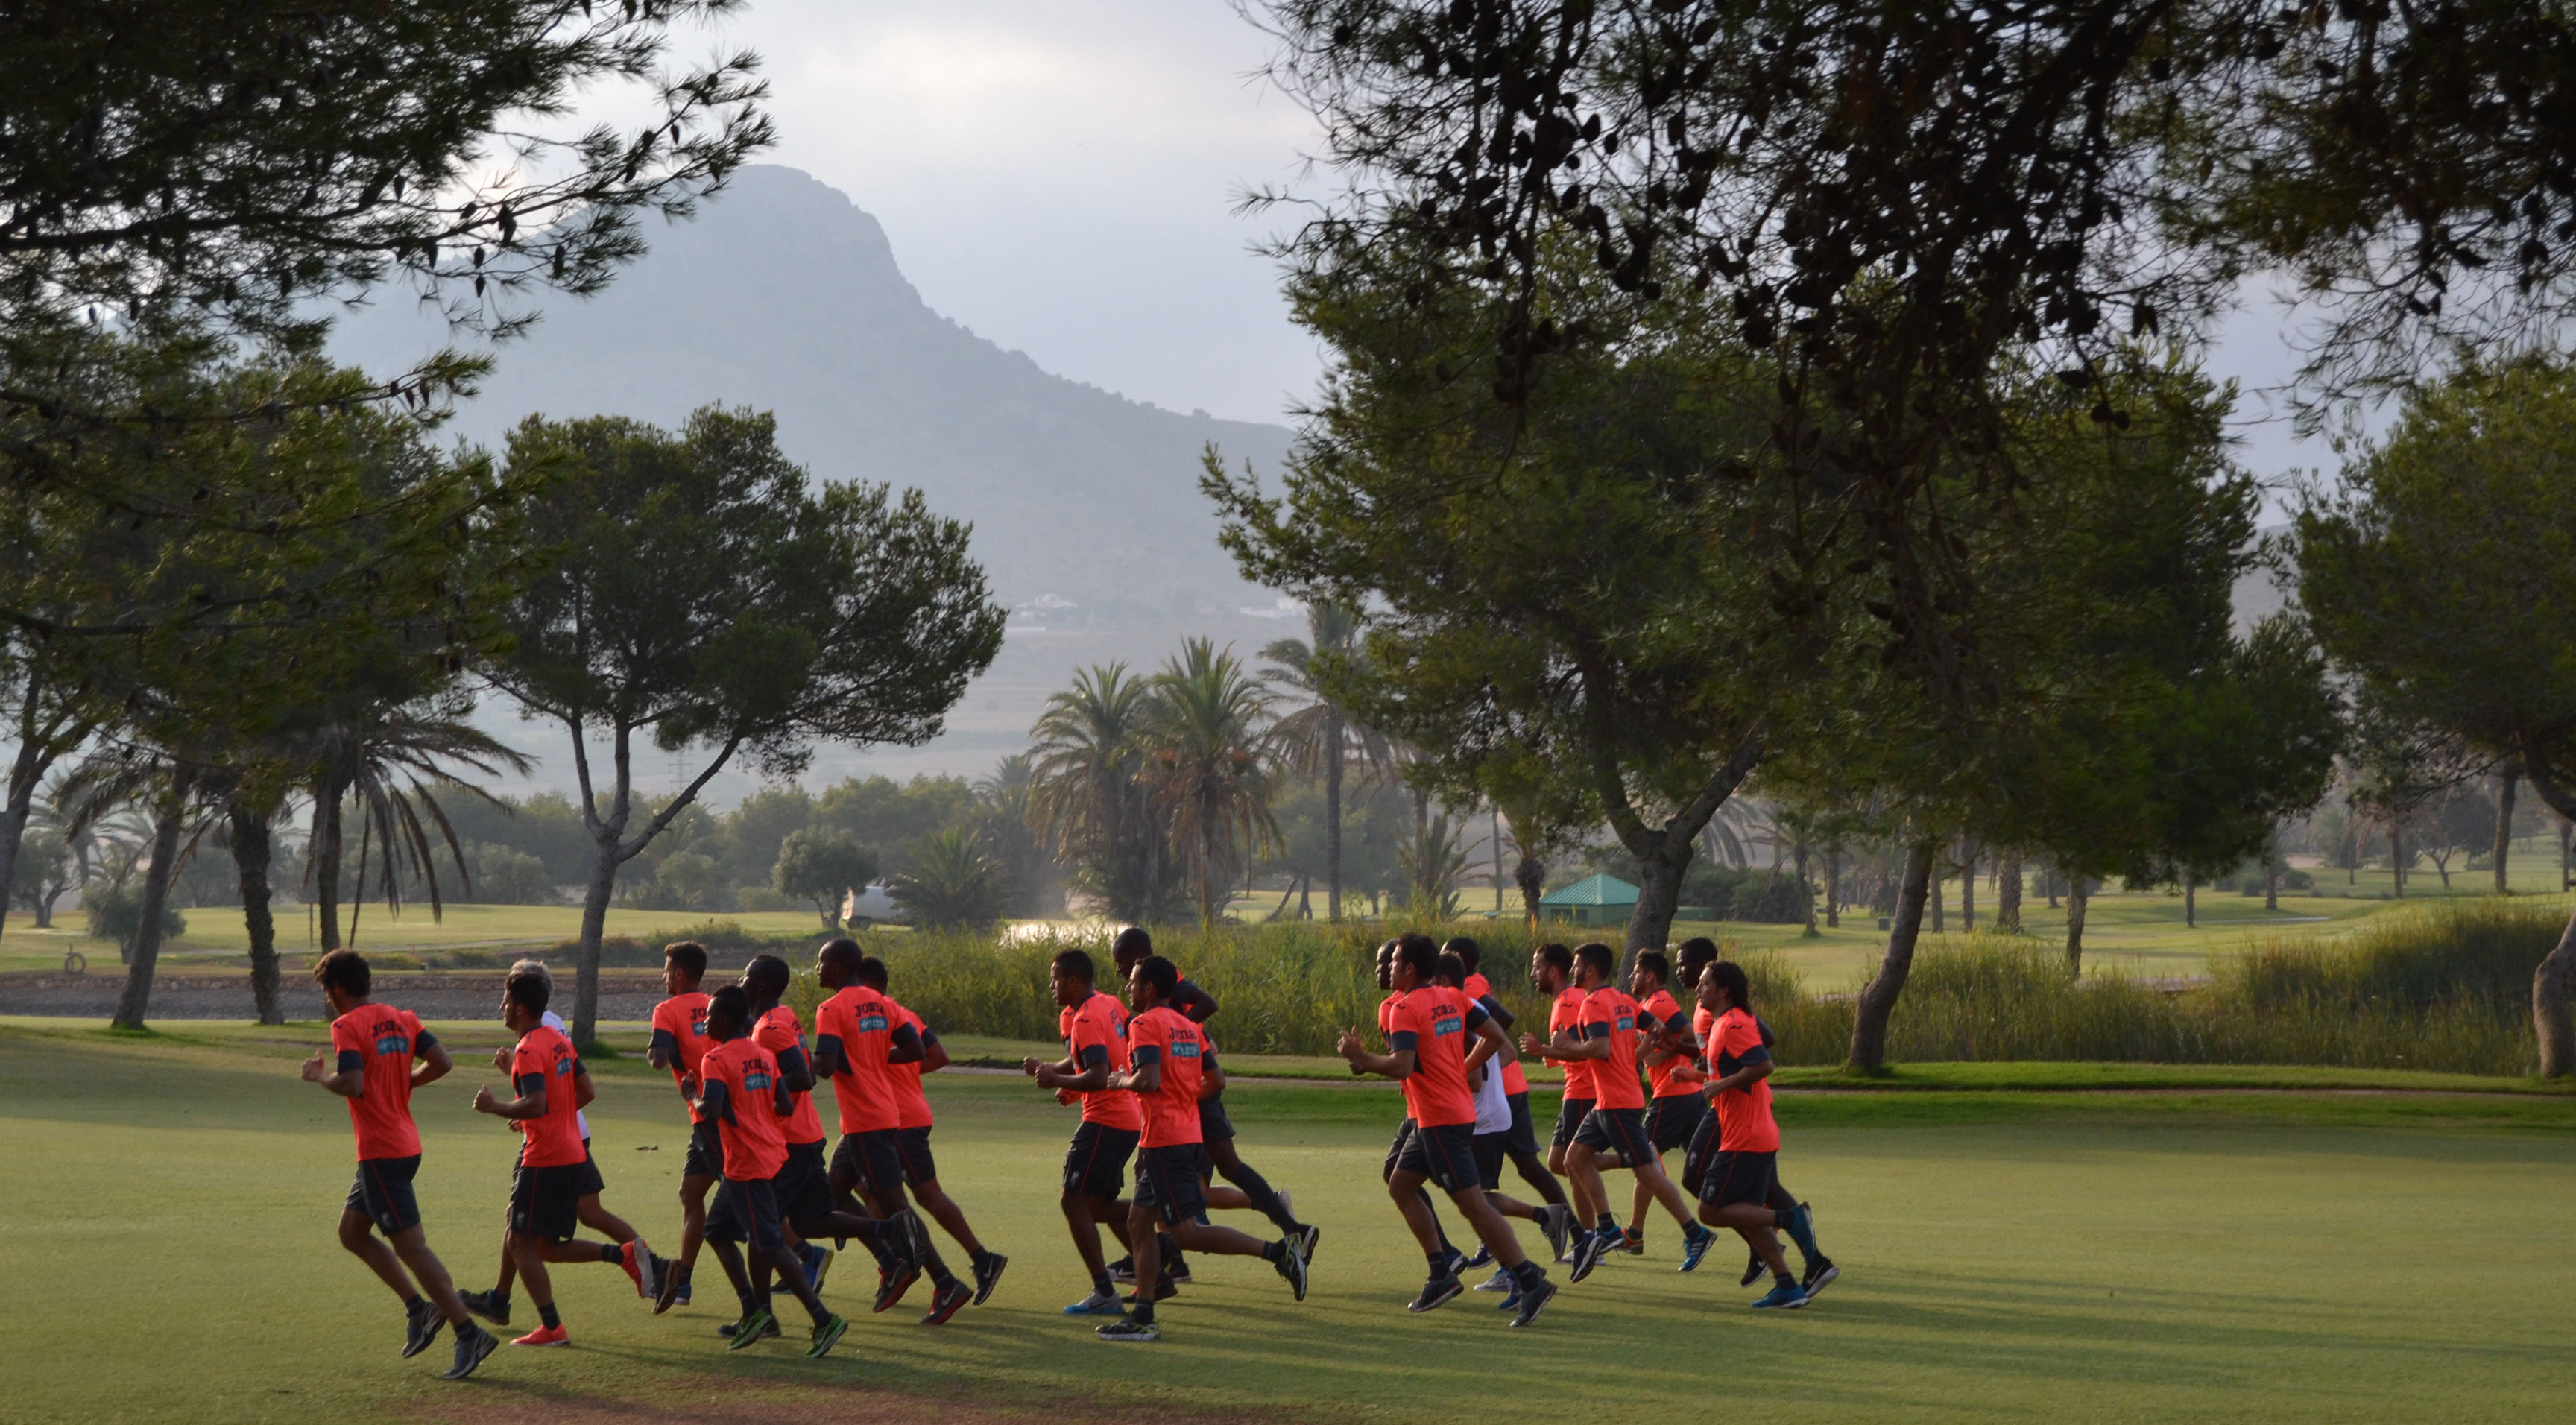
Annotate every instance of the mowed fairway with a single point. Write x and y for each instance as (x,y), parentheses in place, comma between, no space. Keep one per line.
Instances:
(2261,1257)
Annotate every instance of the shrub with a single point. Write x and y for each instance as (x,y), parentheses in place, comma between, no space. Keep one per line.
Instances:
(760,900)
(117,915)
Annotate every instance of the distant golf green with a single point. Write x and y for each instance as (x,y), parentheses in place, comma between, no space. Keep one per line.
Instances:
(2156,1254)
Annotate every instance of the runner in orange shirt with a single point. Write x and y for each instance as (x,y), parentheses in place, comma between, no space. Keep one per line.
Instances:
(1552,974)
(380,1055)
(1520,1143)
(921,1171)
(860,1044)
(740,1091)
(555,1173)
(1736,1190)
(1165,1051)
(1094,1027)
(1675,1111)
(1615,1129)
(679,1042)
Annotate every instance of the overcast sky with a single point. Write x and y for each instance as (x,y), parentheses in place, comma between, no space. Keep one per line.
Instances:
(1061,176)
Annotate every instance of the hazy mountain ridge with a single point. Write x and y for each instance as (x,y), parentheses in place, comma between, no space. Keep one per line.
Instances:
(785,296)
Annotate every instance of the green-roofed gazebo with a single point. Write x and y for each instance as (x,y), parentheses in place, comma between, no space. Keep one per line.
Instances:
(1595,900)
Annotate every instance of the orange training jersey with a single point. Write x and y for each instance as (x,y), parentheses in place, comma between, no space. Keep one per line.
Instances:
(1564,1013)
(1433,1022)
(1171,1111)
(382,1041)
(911,1105)
(1744,1121)
(754,1136)
(545,1060)
(1514,1081)
(861,1022)
(680,1026)
(778,1032)
(1666,1012)
(1100,1023)
(1608,1014)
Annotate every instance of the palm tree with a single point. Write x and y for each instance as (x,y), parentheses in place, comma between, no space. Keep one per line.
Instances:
(1086,790)
(953,883)
(1002,819)
(1431,862)
(387,758)
(1322,736)
(1210,769)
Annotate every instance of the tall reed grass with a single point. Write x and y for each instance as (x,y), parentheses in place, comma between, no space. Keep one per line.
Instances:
(2444,988)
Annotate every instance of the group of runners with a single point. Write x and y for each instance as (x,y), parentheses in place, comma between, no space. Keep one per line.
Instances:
(1641,1076)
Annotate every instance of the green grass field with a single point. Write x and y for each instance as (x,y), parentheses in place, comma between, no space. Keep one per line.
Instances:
(2180,1249)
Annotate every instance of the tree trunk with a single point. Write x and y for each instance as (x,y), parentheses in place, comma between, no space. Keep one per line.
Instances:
(325,856)
(1494,849)
(1934,892)
(137,999)
(1967,888)
(1531,874)
(1664,853)
(2008,894)
(1659,895)
(2397,855)
(251,849)
(2506,785)
(594,923)
(1805,892)
(2078,896)
(2272,871)
(1333,814)
(2190,903)
(13,830)
(1877,1002)
(1833,887)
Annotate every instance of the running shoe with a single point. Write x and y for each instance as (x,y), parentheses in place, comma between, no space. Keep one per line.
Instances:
(1127,1330)
(1309,1236)
(1588,1252)
(473,1343)
(988,1275)
(631,1258)
(1533,1301)
(1501,1280)
(1454,1263)
(1176,1268)
(1695,1245)
(1436,1293)
(1484,1258)
(1099,1303)
(1292,1265)
(674,1292)
(682,1299)
(916,1238)
(1784,1296)
(758,1322)
(1753,1269)
(1821,1273)
(731,1329)
(947,1301)
(817,1261)
(826,1336)
(1633,1241)
(893,1282)
(1123,1270)
(1558,1224)
(1511,1302)
(492,1306)
(420,1327)
(1163,1291)
(545,1336)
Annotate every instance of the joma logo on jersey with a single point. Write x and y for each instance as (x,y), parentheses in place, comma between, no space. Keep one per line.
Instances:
(1184,1049)
(1627,1022)
(872,1024)
(698,1024)
(1447,1024)
(565,1065)
(755,1080)
(393,1044)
